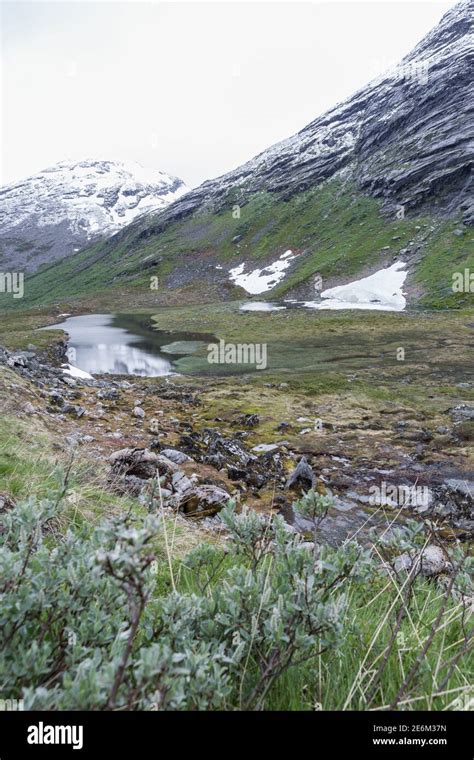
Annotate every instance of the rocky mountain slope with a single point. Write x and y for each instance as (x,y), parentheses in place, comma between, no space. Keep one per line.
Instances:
(408,137)
(64,207)
(384,178)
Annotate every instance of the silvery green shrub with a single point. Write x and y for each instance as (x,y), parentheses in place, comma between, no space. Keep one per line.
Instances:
(85,624)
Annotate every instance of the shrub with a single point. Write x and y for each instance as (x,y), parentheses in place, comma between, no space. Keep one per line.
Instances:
(91,620)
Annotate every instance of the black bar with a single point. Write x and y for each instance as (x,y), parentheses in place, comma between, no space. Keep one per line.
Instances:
(153,734)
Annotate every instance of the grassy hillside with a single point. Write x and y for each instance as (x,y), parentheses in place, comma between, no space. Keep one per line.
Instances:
(337,232)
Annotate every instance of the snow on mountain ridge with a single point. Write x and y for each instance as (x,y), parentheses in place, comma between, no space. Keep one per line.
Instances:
(68,205)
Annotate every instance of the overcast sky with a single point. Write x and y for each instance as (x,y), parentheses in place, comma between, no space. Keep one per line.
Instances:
(194,88)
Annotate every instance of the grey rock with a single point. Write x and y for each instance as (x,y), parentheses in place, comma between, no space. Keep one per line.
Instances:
(108,394)
(178,457)
(141,463)
(73,410)
(462,413)
(180,482)
(302,477)
(248,420)
(432,561)
(201,501)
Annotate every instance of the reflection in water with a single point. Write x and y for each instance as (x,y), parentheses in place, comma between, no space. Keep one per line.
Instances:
(98,345)
(120,359)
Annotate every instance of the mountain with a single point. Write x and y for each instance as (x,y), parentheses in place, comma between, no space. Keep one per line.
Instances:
(65,207)
(407,138)
(384,177)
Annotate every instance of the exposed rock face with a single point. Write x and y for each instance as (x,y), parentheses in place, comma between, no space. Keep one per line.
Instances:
(407,137)
(64,207)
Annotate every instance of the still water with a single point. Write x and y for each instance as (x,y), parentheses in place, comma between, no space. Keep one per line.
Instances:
(126,344)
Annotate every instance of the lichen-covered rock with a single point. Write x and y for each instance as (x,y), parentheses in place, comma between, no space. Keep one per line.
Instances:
(201,501)
(230,453)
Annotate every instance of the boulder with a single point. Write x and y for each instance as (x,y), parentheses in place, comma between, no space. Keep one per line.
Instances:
(141,463)
(432,561)
(302,478)
(108,394)
(248,420)
(201,501)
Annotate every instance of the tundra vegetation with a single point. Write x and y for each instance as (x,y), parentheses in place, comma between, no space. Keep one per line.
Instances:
(113,617)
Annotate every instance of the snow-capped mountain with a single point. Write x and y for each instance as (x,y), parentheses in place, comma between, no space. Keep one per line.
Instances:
(382,179)
(61,209)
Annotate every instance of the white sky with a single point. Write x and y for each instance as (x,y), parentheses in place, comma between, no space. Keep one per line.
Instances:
(194,89)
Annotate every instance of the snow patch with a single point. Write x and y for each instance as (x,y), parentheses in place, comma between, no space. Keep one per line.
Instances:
(380,291)
(260,280)
(68,369)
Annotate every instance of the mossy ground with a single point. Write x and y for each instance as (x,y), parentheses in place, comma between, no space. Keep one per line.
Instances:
(340,368)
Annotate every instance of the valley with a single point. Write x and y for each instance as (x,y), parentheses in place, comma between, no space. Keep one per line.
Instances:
(333,392)
(236,420)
